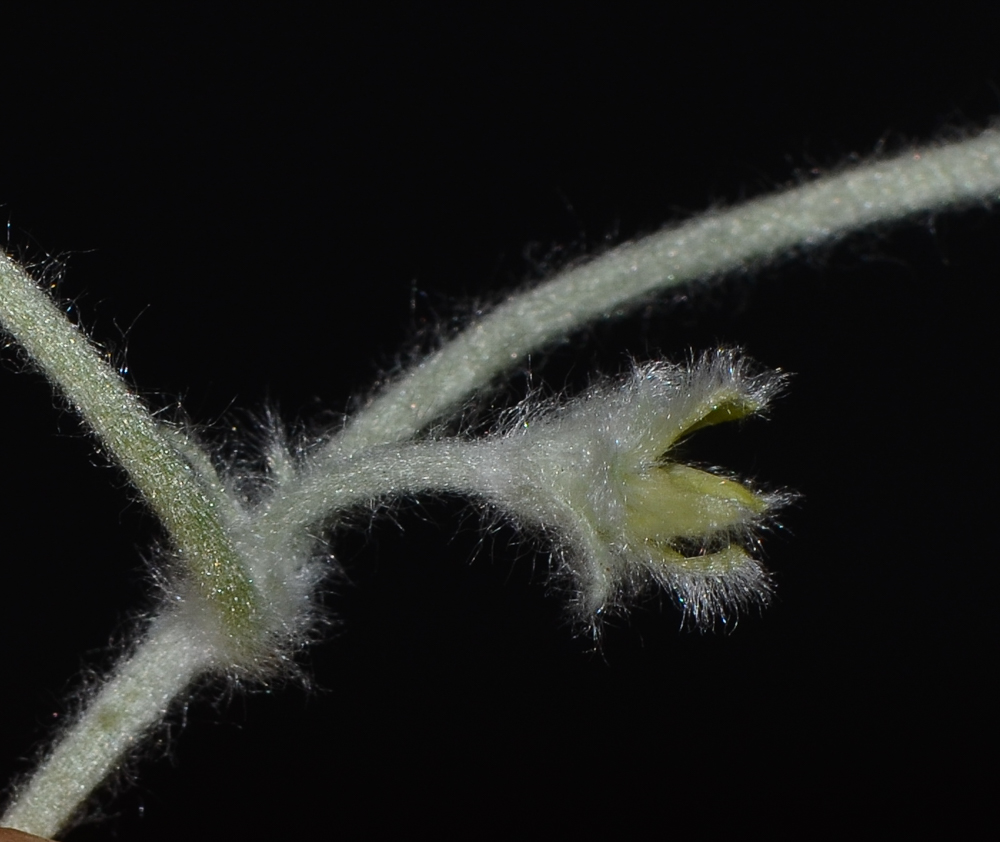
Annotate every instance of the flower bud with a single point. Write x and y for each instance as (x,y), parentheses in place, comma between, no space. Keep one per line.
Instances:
(599,472)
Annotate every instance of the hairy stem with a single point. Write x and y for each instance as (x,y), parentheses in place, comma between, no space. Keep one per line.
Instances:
(381,473)
(134,699)
(919,181)
(168,482)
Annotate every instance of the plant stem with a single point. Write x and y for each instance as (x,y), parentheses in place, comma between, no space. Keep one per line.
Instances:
(134,699)
(182,498)
(453,466)
(920,181)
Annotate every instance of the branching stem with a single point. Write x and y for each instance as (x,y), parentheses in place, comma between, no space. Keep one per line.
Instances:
(207,524)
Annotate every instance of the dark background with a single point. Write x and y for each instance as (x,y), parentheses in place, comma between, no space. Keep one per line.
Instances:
(264,211)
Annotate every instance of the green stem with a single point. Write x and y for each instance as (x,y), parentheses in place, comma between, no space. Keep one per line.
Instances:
(920,181)
(134,699)
(166,480)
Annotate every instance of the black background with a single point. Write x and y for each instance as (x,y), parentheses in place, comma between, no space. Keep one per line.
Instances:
(266,210)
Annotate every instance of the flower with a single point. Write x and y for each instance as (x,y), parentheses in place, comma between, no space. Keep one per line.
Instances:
(599,473)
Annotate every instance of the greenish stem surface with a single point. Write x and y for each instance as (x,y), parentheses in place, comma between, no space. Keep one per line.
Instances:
(920,181)
(157,468)
(134,699)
